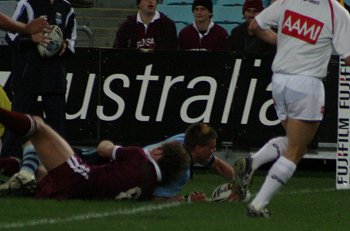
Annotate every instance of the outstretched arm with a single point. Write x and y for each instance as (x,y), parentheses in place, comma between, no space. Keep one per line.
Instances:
(192,197)
(35,26)
(223,168)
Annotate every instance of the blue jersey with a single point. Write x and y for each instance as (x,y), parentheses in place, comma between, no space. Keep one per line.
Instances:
(179,138)
(174,187)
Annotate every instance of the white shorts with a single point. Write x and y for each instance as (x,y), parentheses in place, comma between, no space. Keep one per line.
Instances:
(298,97)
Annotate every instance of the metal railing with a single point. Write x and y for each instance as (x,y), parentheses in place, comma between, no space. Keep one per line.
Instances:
(88,33)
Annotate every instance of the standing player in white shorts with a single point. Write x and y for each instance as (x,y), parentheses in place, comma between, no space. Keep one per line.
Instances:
(308,30)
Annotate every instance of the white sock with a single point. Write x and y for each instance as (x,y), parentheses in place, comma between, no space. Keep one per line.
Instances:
(270,151)
(279,174)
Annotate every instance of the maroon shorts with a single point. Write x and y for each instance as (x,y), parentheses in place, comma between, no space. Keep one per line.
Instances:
(67,181)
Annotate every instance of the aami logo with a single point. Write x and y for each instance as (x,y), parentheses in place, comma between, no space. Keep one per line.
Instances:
(301,27)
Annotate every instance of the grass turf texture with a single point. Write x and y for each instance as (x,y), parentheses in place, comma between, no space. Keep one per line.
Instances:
(308,202)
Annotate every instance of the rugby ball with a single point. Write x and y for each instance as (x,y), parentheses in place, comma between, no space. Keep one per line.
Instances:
(229,192)
(56,39)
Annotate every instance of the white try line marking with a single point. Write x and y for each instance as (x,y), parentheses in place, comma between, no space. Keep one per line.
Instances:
(131,211)
(89,216)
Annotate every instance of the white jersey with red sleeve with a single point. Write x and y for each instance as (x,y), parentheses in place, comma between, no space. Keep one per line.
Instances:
(307,30)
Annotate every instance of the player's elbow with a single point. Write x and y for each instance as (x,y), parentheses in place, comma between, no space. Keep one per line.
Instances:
(105,148)
(253,27)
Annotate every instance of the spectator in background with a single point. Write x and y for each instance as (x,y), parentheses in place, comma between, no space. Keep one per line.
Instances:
(148,30)
(243,41)
(203,34)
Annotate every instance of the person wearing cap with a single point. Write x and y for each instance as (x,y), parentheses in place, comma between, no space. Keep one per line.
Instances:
(203,34)
(147,30)
(244,42)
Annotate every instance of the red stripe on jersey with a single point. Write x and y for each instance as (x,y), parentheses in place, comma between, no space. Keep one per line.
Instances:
(301,27)
(332,15)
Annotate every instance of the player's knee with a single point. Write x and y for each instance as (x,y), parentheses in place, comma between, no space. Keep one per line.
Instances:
(39,122)
(281,143)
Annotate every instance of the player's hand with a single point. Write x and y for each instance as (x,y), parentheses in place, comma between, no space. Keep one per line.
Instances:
(196,196)
(41,38)
(63,47)
(37,25)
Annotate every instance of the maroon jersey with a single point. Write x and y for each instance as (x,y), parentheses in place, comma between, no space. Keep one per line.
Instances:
(216,39)
(160,34)
(133,169)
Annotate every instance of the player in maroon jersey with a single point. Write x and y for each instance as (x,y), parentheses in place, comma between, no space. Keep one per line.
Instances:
(133,174)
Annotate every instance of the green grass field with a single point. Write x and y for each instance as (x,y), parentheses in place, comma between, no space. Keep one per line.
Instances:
(308,202)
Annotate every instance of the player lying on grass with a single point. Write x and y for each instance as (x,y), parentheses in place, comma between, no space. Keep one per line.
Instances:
(199,141)
(133,173)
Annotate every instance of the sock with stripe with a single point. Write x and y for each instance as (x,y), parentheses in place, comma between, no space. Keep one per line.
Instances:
(31,161)
(279,174)
(270,151)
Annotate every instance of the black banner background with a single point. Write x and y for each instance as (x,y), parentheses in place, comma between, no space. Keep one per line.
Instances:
(105,82)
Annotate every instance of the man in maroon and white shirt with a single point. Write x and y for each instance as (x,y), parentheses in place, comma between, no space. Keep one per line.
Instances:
(203,34)
(148,30)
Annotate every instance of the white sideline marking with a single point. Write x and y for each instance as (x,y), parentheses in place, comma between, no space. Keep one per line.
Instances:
(125,212)
(305,191)
(89,216)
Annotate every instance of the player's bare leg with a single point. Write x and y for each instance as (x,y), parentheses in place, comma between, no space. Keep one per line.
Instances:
(46,141)
(51,147)
(299,134)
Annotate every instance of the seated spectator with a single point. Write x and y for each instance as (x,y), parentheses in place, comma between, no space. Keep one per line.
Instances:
(243,41)
(203,34)
(148,30)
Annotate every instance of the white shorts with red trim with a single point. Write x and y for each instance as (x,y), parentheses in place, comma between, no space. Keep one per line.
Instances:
(298,97)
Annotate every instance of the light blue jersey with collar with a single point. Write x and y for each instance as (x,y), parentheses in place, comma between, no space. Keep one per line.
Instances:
(174,187)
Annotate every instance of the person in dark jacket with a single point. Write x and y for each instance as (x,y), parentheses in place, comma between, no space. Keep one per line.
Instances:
(33,75)
(148,29)
(203,34)
(244,42)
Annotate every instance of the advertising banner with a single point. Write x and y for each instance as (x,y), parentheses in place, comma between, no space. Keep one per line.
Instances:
(133,97)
